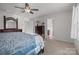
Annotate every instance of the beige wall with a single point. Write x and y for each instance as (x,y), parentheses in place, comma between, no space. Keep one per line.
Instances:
(62,24)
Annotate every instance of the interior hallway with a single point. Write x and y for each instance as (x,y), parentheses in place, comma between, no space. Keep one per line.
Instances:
(55,47)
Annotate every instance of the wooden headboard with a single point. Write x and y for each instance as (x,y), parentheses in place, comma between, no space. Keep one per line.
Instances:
(10,18)
(10,29)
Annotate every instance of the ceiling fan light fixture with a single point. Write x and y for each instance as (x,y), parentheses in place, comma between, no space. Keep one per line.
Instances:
(27,10)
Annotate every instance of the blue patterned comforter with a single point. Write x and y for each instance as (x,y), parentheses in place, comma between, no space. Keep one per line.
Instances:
(17,43)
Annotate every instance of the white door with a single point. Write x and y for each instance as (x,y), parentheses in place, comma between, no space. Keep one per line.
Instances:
(50,27)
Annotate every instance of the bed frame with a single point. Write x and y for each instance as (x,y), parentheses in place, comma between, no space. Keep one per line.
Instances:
(10,29)
(41,52)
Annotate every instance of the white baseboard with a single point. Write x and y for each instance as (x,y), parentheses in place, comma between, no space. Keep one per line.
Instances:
(54,38)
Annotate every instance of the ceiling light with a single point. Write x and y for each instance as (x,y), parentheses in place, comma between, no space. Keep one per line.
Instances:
(27,9)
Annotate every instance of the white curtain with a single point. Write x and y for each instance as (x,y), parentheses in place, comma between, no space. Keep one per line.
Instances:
(75,22)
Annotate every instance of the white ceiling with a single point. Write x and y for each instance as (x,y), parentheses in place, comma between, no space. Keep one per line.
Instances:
(44,8)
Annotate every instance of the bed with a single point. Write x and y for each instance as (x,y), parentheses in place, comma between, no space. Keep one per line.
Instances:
(15,42)
(19,43)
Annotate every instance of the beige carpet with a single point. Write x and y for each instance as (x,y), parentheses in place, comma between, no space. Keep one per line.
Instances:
(54,47)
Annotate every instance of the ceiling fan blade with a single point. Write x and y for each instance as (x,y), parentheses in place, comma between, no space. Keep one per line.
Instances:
(35,9)
(19,7)
(31,12)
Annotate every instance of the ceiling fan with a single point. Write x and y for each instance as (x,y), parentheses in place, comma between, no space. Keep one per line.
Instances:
(27,8)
